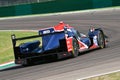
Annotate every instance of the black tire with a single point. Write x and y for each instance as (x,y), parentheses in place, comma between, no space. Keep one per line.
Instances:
(27,62)
(75,50)
(101,39)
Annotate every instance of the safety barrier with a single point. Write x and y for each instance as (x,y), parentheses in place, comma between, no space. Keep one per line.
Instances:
(56,6)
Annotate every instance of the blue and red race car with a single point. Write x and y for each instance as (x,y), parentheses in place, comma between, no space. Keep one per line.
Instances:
(59,41)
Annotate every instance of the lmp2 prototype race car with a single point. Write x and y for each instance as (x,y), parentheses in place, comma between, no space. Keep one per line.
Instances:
(60,41)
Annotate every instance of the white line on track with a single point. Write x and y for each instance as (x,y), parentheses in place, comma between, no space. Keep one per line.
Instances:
(99,75)
(60,13)
(6,63)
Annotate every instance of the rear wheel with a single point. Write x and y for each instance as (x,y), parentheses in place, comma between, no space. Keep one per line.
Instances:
(101,40)
(27,62)
(75,50)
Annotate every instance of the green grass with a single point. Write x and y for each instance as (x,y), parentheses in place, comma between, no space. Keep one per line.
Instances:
(6,50)
(112,76)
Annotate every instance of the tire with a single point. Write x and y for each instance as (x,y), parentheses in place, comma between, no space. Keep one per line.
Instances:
(27,62)
(101,39)
(75,50)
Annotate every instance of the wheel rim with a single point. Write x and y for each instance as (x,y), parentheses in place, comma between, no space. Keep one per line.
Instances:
(75,49)
(101,40)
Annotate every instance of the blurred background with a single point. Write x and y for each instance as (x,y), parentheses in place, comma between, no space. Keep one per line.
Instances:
(17,2)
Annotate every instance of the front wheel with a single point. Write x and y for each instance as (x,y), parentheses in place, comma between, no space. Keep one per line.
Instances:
(101,40)
(75,50)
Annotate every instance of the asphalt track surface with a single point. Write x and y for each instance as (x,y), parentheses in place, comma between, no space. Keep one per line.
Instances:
(88,64)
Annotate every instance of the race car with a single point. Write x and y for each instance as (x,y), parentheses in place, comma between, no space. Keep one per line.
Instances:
(59,41)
